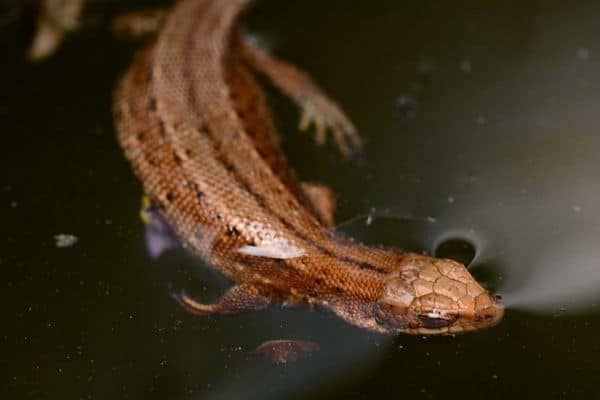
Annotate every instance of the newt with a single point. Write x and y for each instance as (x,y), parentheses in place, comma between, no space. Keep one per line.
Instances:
(193,121)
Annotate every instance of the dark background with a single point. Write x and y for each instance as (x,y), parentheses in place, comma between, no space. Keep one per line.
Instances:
(500,150)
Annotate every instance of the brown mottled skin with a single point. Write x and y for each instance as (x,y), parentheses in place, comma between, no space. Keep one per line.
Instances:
(195,125)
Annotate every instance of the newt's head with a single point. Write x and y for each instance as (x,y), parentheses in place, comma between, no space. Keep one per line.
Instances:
(435,296)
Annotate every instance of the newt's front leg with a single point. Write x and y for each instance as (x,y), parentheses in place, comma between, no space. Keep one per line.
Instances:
(317,108)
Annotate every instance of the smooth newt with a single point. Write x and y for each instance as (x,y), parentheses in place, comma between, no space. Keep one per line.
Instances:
(195,125)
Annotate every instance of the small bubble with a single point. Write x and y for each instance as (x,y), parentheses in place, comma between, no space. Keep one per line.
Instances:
(451,200)
(481,120)
(465,66)
(469,179)
(576,209)
(583,53)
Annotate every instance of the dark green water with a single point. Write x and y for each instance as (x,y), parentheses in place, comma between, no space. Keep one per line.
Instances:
(502,152)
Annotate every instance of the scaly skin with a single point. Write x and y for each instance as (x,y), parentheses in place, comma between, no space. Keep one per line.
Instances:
(194,124)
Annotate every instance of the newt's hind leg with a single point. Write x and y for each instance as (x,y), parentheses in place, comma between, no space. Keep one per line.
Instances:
(317,109)
(56,19)
(237,299)
(139,24)
(323,201)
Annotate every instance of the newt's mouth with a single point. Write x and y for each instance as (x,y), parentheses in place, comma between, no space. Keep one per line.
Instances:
(462,322)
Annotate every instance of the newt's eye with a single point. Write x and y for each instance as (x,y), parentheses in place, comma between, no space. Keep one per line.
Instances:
(430,321)
(433,323)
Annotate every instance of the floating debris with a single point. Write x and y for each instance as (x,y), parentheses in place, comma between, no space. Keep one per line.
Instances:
(159,236)
(64,240)
(284,351)
(57,18)
(407,106)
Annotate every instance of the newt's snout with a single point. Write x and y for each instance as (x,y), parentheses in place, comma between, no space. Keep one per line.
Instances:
(435,296)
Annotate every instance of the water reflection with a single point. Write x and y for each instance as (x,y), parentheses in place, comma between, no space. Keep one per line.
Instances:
(564,277)
(339,358)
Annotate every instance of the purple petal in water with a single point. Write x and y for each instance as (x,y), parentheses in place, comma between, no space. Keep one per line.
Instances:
(159,236)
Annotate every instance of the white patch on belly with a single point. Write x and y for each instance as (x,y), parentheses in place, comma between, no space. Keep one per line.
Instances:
(277,251)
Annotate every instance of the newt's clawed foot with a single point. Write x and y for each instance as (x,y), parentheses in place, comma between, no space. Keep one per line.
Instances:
(325,115)
(191,305)
(317,108)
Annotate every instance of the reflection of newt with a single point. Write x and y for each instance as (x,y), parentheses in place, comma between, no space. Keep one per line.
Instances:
(194,124)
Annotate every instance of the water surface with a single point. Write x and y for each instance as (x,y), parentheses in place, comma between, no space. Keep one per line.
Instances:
(481,122)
